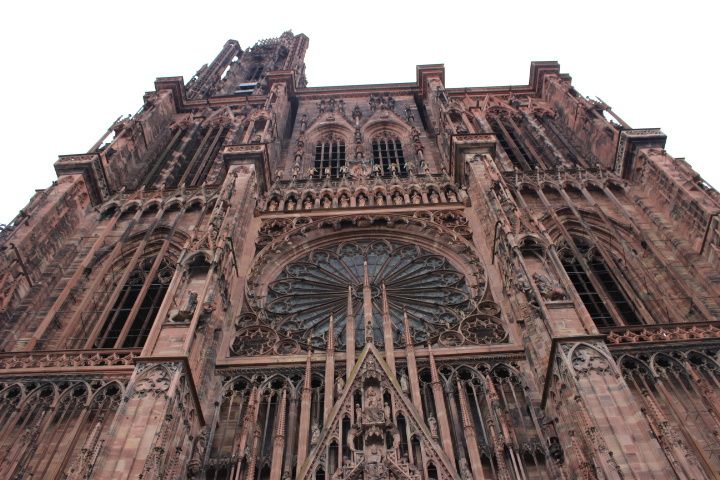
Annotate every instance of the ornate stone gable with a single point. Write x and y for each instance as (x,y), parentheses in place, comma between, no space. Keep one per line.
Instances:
(375,419)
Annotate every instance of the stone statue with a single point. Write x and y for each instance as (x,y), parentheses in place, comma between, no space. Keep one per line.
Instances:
(358,413)
(404,382)
(307,204)
(397,199)
(415,198)
(374,466)
(549,289)
(361,200)
(396,438)
(451,196)
(273,206)
(379,199)
(339,386)
(351,438)
(315,437)
(432,423)
(290,205)
(386,410)
(327,202)
(344,201)
(434,197)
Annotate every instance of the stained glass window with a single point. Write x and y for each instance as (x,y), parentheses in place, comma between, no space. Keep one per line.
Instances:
(425,285)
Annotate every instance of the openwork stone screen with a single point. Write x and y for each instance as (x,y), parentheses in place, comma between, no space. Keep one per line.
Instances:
(337,279)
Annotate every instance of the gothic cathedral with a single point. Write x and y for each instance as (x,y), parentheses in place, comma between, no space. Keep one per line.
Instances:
(252,279)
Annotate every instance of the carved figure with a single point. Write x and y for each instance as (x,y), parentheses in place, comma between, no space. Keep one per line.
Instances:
(404,382)
(308,203)
(352,433)
(379,199)
(344,201)
(432,423)
(339,386)
(549,289)
(396,438)
(290,205)
(415,198)
(315,436)
(397,199)
(451,197)
(273,206)
(361,200)
(434,197)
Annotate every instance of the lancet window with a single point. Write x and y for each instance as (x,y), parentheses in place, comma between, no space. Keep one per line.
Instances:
(256,407)
(53,430)
(128,322)
(188,157)
(329,157)
(484,401)
(597,287)
(388,155)
(672,391)
(512,144)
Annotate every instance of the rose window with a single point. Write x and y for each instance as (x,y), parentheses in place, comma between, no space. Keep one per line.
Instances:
(349,279)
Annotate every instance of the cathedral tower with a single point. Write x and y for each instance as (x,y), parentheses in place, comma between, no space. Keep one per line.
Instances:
(252,279)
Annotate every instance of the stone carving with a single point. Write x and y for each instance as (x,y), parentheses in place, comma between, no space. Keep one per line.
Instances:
(154,381)
(549,289)
(586,361)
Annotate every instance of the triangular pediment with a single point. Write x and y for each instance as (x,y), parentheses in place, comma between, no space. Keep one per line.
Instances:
(372,376)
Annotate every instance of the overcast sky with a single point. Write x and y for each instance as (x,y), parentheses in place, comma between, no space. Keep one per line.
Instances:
(70,68)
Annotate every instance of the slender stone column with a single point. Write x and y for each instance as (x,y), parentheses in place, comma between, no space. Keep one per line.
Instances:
(469,431)
(387,332)
(349,335)
(250,419)
(412,370)
(367,305)
(305,406)
(279,440)
(329,371)
(498,430)
(440,408)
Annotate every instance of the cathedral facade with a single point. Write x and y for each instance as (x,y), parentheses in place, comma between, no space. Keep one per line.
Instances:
(252,279)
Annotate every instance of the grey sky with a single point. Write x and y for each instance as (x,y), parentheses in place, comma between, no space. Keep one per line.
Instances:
(71,68)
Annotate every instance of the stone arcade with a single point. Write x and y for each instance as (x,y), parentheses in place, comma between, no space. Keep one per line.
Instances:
(252,279)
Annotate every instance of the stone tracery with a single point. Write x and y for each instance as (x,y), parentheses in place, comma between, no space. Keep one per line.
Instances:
(331,281)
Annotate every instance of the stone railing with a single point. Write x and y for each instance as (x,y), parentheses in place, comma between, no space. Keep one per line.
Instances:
(560,176)
(362,192)
(662,333)
(67,359)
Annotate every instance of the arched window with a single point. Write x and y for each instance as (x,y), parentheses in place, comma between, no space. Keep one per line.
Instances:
(596,299)
(128,323)
(388,154)
(329,157)
(512,144)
